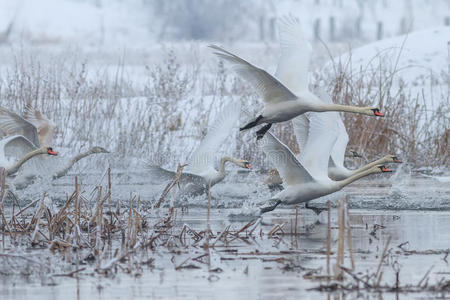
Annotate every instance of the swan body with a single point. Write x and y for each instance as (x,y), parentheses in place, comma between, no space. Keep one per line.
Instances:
(286,94)
(307,178)
(201,171)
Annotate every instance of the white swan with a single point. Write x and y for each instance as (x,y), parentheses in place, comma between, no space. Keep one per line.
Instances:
(306,180)
(336,168)
(16,150)
(38,130)
(292,71)
(201,170)
(280,102)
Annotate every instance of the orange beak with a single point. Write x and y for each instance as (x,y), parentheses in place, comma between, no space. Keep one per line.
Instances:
(51,152)
(249,166)
(378,113)
(384,169)
(397,161)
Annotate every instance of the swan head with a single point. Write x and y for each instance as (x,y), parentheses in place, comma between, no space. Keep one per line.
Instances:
(49,150)
(244,164)
(274,172)
(383,169)
(273,179)
(392,159)
(97,149)
(373,111)
(353,153)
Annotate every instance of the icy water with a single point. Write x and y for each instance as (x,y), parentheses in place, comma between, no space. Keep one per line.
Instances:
(286,265)
(262,267)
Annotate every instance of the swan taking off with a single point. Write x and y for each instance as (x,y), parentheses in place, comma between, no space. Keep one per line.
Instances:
(201,171)
(307,178)
(336,168)
(282,103)
(36,130)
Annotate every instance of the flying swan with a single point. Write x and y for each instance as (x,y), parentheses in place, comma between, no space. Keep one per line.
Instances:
(307,178)
(35,129)
(280,102)
(201,171)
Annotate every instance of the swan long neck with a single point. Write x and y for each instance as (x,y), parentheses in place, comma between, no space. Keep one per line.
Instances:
(71,162)
(322,107)
(355,177)
(14,168)
(371,165)
(225,159)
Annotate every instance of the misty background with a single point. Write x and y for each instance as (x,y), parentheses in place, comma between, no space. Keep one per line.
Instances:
(142,22)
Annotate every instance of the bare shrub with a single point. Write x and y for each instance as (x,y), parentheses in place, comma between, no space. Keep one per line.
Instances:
(411,128)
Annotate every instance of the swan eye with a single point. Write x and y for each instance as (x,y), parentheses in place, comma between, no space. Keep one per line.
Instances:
(355,154)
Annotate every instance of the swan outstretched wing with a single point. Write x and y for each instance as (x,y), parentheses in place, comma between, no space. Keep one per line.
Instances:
(321,138)
(16,146)
(301,130)
(338,150)
(291,170)
(204,157)
(269,88)
(293,64)
(45,127)
(164,175)
(13,124)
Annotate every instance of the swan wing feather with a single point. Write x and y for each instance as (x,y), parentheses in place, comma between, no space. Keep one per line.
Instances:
(45,127)
(269,88)
(17,147)
(321,139)
(164,175)
(202,160)
(291,170)
(301,130)
(13,124)
(293,64)
(338,150)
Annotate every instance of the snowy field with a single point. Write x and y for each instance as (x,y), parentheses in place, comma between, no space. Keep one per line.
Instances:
(138,79)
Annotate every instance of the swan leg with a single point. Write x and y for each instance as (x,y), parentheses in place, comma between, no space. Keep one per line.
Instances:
(269,205)
(260,133)
(252,123)
(317,210)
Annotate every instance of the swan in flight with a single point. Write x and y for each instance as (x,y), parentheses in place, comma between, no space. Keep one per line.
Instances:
(37,130)
(308,179)
(201,171)
(336,168)
(292,71)
(282,103)
(16,150)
